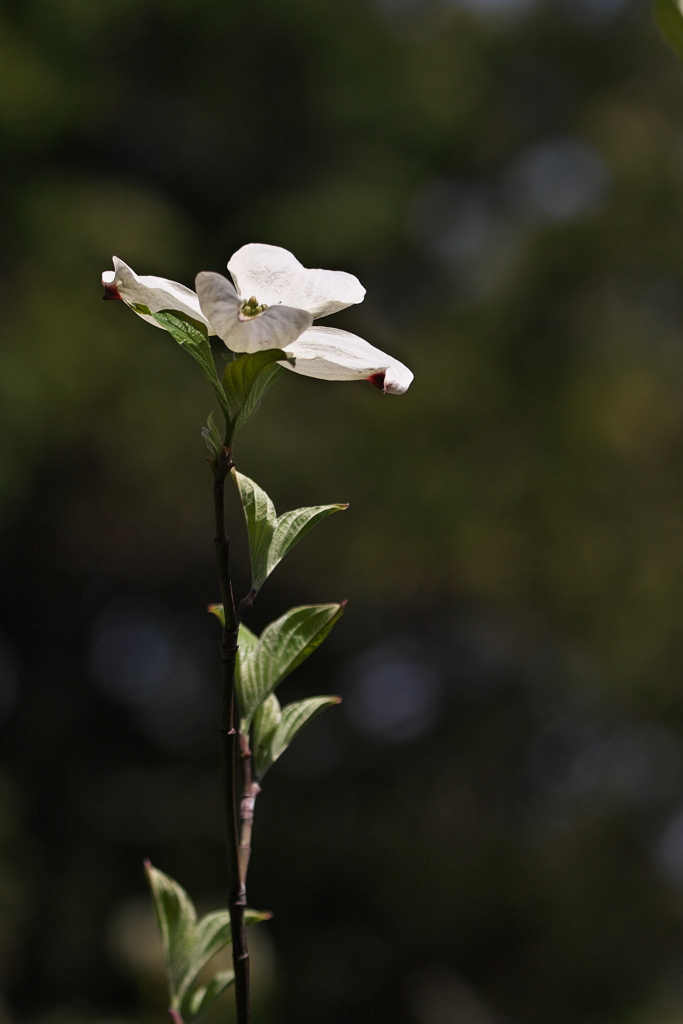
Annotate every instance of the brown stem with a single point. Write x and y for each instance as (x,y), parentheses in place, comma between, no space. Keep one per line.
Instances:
(237,896)
(250,790)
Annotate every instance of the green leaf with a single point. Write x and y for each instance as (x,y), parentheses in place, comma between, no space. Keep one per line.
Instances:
(189,945)
(292,720)
(212,436)
(669,19)
(177,920)
(194,341)
(203,998)
(196,325)
(266,721)
(282,646)
(261,518)
(262,385)
(188,336)
(272,537)
(292,526)
(213,933)
(218,611)
(240,378)
(247,640)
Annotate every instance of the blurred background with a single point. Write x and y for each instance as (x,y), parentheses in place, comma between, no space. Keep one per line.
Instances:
(489,830)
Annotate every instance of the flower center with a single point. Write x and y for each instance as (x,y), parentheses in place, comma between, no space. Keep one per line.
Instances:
(252,308)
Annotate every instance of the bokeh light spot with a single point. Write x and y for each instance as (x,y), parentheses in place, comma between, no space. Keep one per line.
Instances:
(560,179)
(395,696)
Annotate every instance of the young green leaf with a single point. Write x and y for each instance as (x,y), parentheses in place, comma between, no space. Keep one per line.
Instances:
(241,375)
(218,611)
(292,720)
(247,640)
(262,385)
(177,922)
(193,339)
(669,19)
(260,516)
(203,998)
(212,436)
(213,934)
(266,721)
(272,537)
(188,945)
(282,646)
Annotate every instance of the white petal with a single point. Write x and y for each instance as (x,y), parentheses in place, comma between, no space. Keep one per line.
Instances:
(330,354)
(156,293)
(277,327)
(275,276)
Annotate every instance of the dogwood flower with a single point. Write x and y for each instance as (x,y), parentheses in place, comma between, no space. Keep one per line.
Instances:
(281,282)
(284,298)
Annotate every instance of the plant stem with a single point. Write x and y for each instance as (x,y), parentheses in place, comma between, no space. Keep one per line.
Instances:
(230,751)
(250,790)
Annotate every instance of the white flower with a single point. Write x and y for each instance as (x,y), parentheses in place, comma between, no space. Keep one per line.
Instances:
(272,304)
(276,281)
(156,293)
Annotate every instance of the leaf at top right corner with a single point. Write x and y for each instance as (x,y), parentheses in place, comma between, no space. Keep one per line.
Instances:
(669,18)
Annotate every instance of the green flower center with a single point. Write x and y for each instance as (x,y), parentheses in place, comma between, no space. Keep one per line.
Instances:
(252,308)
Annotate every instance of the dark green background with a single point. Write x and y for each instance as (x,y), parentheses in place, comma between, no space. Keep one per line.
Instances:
(489,830)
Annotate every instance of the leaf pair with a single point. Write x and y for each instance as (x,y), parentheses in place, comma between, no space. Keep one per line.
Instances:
(246,379)
(271,536)
(189,944)
(263,662)
(274,727)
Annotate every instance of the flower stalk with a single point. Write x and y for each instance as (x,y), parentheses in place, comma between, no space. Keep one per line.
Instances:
(262,334)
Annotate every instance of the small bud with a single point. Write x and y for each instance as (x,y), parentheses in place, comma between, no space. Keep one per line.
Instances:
(253,301)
